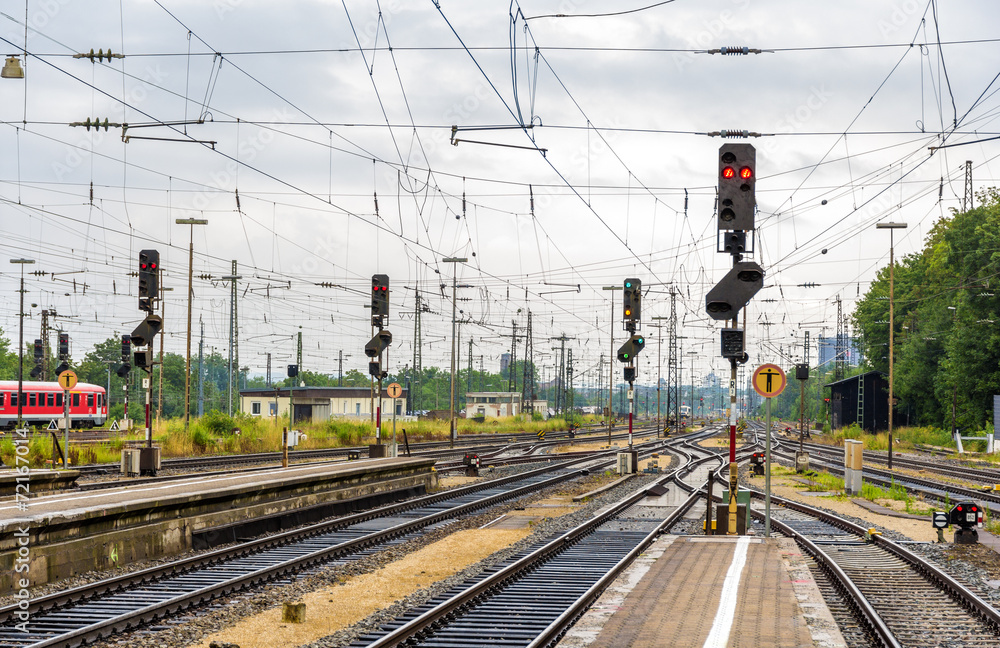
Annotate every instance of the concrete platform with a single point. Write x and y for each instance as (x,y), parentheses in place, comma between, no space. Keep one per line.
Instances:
(711,591)
(41,480)
(73,532)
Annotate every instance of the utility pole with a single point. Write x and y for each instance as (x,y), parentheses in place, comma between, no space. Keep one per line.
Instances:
(234,355)
(454,324)
(159,377)
(528,368)
(298,351)
(611,364)
(201,371)
(659,380)
(340,368)
(187,357)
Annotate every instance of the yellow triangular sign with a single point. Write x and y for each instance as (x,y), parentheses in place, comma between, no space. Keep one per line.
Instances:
(114,426)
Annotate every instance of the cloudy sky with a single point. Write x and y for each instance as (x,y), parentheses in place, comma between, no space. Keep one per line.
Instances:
(316,138)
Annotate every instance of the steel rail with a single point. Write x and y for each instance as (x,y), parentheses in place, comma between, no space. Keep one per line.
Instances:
(511,572)
(254,546)
(856,599)
(166,607)
(963,595)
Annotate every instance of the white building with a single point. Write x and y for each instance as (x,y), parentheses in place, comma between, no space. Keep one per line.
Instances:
(492,404)
(318,403)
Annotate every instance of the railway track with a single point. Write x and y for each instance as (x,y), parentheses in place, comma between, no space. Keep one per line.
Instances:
(534,597)
(931,489)
(898,597)
(89,613)
(895,596)
(468,443)
(490,455)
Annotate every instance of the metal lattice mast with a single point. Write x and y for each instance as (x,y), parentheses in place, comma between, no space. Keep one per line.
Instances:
(841,348)
(527,369)
(298,351)
(45,345)
(234,355)
(673,380)
(569,379)
(418,352)
(469,381)
(511,375)
(967,198)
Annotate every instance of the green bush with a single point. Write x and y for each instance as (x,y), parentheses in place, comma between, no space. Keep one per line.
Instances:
(217,423)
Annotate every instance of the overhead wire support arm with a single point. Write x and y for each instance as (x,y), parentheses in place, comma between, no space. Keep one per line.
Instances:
(185,122)
(455,141)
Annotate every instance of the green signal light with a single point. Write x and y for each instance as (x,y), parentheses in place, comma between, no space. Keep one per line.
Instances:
(641,341)
(625,354)
(628,284)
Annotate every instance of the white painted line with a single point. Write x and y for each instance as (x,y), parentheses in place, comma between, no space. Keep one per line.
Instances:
(718,637)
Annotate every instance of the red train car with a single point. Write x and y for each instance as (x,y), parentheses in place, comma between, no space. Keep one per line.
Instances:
(43,401)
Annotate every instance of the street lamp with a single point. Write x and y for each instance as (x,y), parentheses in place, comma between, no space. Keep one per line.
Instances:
(20,346)
(892,264)
(187,364)
(454,302)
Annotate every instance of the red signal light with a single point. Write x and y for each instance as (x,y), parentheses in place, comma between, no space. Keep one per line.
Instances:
(959,507)
(746,173)
(729,172)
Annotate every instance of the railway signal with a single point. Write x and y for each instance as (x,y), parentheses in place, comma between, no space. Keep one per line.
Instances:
(631,348)
(380,300)
(374,350)
(293,370)
(733,341)
(149,268)
(735,290)
(144,333)
(63,353)
(39,358)
(126,366)
(737,186)
(632,306)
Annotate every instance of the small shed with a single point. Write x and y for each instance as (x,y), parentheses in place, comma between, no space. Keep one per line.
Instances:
(861,399)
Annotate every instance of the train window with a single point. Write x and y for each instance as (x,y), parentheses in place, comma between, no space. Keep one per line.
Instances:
(76,400)
(100,400)
(59,399)
(51,400)
(13,399)
(32,400)
(2,398)
(90,400)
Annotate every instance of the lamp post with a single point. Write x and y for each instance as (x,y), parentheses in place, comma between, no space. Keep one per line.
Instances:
(892,264)
(20,345)
(454,306)
(187,364)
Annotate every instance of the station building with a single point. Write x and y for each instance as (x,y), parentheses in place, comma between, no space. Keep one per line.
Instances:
(492,404)
(319,403)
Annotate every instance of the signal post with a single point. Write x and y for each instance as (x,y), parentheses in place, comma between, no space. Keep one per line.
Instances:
(144,336)
(631,314)
(374,350)
(737,204)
